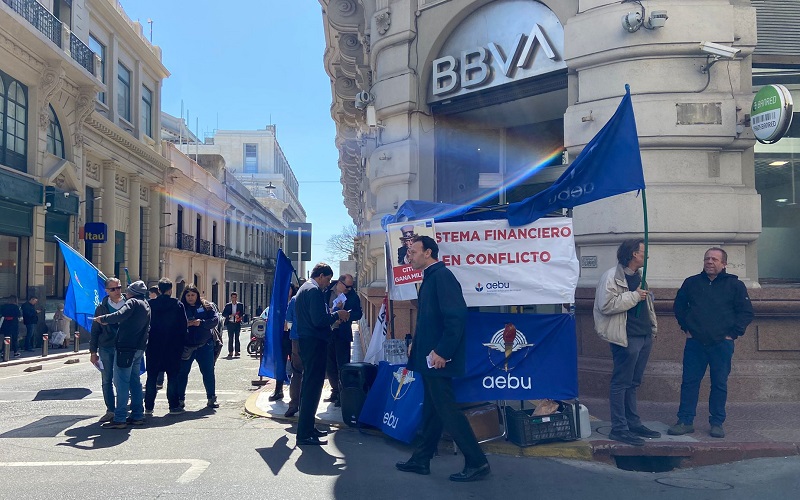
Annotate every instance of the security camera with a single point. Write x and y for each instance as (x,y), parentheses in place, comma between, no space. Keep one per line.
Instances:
(718,50)
(632,21)
(66,194)
(363,99)
(658,18)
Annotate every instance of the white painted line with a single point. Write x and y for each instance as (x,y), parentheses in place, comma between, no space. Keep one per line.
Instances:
(196,466)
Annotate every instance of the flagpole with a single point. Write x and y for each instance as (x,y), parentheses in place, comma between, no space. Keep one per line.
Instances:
(646,239)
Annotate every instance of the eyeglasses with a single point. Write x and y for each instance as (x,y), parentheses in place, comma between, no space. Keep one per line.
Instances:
(114,288)
(347,287)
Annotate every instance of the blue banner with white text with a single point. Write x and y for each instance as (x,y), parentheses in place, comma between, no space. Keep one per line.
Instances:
(394,403)
(518,357)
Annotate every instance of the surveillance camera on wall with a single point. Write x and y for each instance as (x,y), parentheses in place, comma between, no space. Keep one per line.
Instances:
(658,18)
(632,21)
(66,194)
(363,99)
(718,50)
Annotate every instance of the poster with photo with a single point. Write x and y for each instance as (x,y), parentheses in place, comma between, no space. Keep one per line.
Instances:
(400,236)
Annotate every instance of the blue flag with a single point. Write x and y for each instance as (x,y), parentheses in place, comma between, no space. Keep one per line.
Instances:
(394,403)
(272,363)
(86,287)
(609,165)
(538,360)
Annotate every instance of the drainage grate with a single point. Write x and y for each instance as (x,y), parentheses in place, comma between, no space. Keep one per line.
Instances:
(648,464)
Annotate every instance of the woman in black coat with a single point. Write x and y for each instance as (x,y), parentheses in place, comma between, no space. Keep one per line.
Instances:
(202,319)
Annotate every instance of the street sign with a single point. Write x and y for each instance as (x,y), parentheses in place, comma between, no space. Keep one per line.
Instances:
(298,234)
(95,232)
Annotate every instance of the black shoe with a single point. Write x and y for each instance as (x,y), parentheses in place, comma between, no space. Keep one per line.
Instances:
(276,396)
(114,425)
(212,403)
(337,403)
(471,473)
(319,433)
(311,441)
(131,421)
(643,431)
(626,437)
(291,412)
(415,467)
(331,399)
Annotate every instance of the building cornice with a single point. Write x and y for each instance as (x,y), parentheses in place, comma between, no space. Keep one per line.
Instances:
(153,164)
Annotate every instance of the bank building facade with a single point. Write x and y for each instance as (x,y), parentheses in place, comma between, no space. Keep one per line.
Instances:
(475,101)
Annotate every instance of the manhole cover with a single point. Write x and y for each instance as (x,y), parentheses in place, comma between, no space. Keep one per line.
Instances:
(693,484)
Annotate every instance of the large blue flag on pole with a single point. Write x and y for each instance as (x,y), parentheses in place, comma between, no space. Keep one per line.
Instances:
(86,287)
(272,363)
(609,165)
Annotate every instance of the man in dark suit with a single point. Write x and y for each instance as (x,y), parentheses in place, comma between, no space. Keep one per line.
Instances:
(164,346)
(233,314)
(314,331)
(438,353)
(342,337)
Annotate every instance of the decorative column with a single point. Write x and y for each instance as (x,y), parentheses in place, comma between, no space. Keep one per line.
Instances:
(109,216)
(153,236)
(135,228)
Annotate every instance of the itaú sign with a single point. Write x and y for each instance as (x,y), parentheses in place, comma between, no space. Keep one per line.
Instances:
(502,42)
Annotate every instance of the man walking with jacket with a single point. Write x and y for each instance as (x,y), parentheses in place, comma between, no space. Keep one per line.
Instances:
(713,309)
(30,317)
(624,317)
(133,319)
(233,314)
(102,344)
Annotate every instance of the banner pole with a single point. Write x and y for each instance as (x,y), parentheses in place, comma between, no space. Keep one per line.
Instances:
(646,242)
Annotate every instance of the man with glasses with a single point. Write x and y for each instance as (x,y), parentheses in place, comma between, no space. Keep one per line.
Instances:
(102,345)
(340,295)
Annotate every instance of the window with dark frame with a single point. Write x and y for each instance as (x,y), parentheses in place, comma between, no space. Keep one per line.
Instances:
(55,139)
(251,158)
(124,92)
(147,111)
(99,49)
(13,123)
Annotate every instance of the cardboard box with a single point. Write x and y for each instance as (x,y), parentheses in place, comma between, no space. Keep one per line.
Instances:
(485,420)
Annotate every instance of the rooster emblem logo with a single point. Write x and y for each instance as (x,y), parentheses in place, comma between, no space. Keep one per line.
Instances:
(508,340)
(401,382)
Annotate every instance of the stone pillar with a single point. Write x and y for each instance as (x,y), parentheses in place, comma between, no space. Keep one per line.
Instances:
(109,216)
(153,236)
(135,228)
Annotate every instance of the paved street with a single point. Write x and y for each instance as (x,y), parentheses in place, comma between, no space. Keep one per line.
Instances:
(51,446)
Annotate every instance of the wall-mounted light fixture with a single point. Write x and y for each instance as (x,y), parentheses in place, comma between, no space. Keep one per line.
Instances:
(633,21)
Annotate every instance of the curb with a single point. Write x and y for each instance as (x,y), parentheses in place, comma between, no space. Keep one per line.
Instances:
(39,359)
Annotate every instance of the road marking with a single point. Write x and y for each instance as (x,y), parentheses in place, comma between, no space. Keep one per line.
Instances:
(196,466)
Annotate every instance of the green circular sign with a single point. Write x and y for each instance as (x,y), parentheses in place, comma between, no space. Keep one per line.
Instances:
(771,113)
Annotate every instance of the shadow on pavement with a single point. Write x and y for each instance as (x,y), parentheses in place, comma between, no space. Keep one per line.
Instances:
(277,456)
(62,394)
(50,427)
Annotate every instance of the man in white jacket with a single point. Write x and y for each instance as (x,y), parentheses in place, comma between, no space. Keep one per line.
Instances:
(624,317)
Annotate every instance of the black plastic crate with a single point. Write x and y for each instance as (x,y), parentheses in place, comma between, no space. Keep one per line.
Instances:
(523,429)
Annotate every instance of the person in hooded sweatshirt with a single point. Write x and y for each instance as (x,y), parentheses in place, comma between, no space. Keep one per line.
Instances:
(133,319)
(165,345)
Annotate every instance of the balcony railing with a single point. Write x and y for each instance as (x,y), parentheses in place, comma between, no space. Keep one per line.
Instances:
(44,21)
(219,251)
(82,54)
(204,246)
(185,242)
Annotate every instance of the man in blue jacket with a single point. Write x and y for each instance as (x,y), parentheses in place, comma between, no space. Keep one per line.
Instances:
(713,309)
(438,353)
(340,345)
(314,322)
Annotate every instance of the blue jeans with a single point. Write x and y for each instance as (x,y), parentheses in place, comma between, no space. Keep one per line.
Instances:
(629,365)
(127,383)
(205,360)
(696,358)
(31,329)
(108,357)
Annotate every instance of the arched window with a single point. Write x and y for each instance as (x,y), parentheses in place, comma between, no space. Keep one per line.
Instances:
(55,139)
(13,123)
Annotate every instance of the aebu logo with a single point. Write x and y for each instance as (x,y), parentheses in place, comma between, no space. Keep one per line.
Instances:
(478,288)
(401,382)
(507,341)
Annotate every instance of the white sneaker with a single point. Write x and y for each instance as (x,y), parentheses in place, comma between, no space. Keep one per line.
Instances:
(108,417)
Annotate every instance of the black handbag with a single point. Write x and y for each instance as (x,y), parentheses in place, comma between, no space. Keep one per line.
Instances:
(125,357)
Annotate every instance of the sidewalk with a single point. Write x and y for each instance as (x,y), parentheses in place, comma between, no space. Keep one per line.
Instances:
(36,355)
(753,430)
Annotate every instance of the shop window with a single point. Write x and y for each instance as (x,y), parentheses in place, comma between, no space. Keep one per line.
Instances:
(55,139)
(99,49)
(124,92)
(13,123)
(54,279)
(9,265)
(778,182)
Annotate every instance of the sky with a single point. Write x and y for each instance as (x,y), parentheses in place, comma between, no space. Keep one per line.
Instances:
(238,68)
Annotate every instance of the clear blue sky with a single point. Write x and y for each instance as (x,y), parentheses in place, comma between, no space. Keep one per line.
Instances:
(244,61)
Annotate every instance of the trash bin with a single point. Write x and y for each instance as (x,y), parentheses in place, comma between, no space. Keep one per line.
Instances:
(356,380)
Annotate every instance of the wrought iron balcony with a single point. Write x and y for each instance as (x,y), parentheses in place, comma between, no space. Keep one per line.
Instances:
(82,54)
(219,251)
(185,242)
(44,21)
(203,246)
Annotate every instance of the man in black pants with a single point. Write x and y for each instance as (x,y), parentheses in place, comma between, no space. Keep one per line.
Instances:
(314,329)
(233,314)
(342,337)
(438,353)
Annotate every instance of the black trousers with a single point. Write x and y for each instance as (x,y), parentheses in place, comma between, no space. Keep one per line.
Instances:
(286,353)
(313,353)
(439,412)
(338,356)
(233,337)
(153,376)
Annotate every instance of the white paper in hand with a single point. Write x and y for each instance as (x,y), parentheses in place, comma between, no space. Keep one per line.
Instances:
(429,359)
(99,364)
(339,301)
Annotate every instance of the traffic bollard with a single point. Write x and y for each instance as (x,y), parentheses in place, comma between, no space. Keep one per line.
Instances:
(77,342)
(45,344)
(7,348)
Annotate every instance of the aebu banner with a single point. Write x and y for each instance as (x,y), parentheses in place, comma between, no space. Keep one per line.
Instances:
(501,265)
